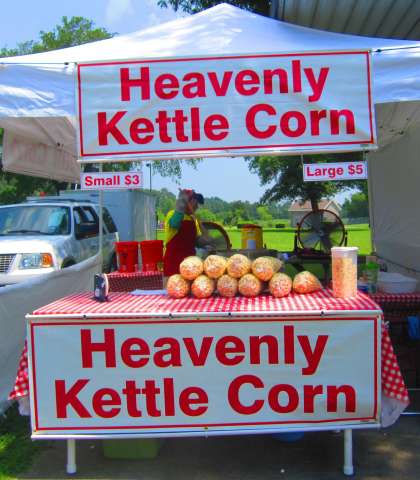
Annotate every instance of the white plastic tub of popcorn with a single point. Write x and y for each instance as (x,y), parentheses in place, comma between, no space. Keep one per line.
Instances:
(389,282)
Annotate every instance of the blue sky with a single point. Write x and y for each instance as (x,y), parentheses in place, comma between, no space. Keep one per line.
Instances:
(228,178)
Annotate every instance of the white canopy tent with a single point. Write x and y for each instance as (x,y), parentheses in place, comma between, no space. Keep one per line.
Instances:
(37,106)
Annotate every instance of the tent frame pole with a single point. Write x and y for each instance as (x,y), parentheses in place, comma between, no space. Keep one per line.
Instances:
(370,202)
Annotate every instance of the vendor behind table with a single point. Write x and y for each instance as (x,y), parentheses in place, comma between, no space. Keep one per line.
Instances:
(183,231)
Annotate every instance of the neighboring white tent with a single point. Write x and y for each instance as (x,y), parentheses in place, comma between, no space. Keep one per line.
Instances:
(37,92)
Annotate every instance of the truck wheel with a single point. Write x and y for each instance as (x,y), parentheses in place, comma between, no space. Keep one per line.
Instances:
(68,263)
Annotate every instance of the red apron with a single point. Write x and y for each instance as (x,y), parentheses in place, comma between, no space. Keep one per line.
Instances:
(180,246)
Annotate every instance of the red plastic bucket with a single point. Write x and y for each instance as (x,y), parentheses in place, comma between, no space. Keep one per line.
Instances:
(127,255)
(151,254)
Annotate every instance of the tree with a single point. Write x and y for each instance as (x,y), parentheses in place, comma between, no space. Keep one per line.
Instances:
(71,32)
(194,6)
(356,207)
(287,174)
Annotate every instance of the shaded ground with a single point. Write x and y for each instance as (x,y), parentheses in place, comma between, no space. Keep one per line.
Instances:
(391,453)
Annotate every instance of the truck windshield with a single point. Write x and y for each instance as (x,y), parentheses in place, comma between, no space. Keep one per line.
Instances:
(34,220)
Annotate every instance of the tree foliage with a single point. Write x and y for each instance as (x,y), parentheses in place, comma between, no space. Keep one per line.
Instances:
(285,174)
(357,206)
(71,32)
(194,6)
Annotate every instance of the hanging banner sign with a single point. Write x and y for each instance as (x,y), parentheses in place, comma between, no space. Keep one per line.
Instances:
(110,180)
(322,172)
(225,105)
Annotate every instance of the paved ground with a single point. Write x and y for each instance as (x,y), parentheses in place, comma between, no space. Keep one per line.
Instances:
(391,453)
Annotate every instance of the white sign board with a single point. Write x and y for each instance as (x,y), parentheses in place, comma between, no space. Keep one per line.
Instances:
(203,376)
(110,180)
(321,172)
(225,105)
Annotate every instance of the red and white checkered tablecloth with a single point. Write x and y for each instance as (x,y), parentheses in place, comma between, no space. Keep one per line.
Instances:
(397,301)
(122,303)
(125,304)
(129,281)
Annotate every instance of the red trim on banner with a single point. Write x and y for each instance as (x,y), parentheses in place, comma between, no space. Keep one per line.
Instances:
(228,57)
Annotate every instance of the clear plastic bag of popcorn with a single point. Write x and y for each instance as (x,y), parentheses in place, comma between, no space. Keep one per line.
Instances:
(191,267)
(227,286)
(238,265)
(344,271)
(177,286)
(280,285)
(203,286)
(249,285)
(263,268)
(306,282)
(215,266)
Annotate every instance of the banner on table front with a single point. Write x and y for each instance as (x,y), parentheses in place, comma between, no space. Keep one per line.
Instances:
(322,172)
(225,105)
(110,180)
(197,376)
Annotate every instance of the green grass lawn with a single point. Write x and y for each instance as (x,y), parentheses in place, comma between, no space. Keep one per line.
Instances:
(16,447)
(283,239)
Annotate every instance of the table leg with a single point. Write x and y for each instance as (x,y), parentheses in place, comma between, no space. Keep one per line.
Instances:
(348,452)
(71,456)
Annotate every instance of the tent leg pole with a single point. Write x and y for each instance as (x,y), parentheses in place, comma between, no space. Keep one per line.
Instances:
(348,452)
(71,456)
(370,200)
(101,222)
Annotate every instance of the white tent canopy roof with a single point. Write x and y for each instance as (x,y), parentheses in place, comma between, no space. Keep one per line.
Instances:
(35,87)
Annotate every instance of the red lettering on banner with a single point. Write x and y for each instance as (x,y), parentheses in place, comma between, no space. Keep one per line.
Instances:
(233,394)
(317,85)
(313,357)
(64,399)
(332,398)
(172,352)
(99,402)
(214,123)
(335,121)
(223,350)
(289,344)
(309,394)
(106,128)
(198,358)
(297,76)
(316,117)
(220,89)
(135,347)
(195,124)
(193,396)
(255,349)
(180,119)
(247,82)
(169,397)
(163,120)
(283,80)
(142,131)
(88,181)
(292,395)
(250,121)
(196,88)
(300,121)
(166,86)
(107,346)
(150,391)
(143,82)
(131,391)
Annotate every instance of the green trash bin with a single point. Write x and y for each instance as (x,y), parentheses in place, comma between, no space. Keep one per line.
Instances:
(131,449)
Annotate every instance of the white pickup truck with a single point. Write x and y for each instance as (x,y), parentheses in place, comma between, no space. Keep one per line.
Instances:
(40,236)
